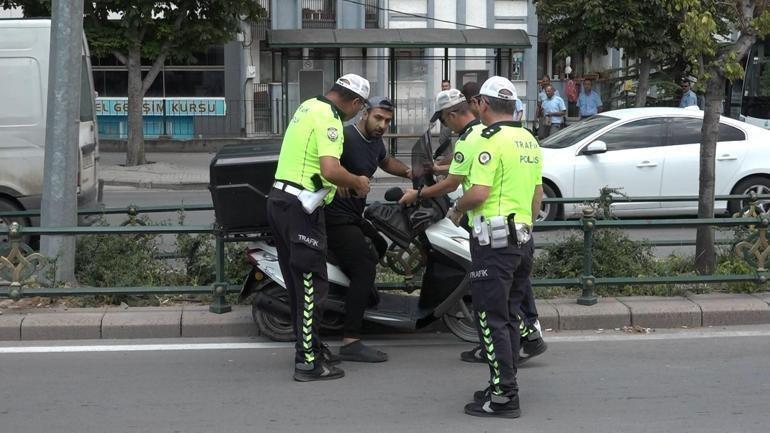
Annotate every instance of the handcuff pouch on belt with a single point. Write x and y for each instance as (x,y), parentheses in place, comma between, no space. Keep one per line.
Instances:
(493,232)
(497,231)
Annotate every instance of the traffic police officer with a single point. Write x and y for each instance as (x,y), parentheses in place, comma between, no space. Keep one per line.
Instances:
(455,111)
(306,178)
(505,194)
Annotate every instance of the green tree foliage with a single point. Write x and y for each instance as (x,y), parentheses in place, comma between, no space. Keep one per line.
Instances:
(643,29)
(31,8)
(707,28)
(150,32)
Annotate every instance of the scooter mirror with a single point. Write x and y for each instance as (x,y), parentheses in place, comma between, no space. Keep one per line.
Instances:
(394,194)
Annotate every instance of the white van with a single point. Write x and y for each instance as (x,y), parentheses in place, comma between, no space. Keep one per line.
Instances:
(24,59)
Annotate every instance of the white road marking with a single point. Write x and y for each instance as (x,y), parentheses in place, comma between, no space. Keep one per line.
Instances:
(608,336)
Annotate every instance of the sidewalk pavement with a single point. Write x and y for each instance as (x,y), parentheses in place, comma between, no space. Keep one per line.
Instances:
(177,171)
(629,314)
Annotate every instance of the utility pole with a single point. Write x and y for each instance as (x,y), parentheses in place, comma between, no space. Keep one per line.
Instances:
(59,202)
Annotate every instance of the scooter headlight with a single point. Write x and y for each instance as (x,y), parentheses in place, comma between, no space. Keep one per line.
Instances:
(464,242)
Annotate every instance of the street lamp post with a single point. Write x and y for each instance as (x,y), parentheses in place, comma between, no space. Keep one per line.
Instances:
(59,201)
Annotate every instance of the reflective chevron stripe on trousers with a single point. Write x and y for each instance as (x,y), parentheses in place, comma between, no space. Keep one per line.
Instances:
(300,239)
(307,318)
(497,286)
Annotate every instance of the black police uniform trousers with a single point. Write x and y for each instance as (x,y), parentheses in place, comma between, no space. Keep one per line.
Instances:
(358,259)
(499,279)
(300,239)
(528,307)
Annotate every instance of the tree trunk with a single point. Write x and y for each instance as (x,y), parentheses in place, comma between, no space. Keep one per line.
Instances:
(644,81)
(705,252)
(135,148)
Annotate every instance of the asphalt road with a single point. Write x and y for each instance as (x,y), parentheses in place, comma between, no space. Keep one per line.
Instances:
(686,381)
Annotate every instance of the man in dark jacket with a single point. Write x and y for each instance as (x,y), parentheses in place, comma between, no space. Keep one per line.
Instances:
(346,229)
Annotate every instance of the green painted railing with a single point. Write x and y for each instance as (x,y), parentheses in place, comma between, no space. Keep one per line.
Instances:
(754,249)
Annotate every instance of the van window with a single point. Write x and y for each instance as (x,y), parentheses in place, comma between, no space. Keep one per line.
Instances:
(21,103)
(86,92)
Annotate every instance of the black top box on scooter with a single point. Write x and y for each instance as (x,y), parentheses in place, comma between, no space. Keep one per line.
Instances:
(241,176)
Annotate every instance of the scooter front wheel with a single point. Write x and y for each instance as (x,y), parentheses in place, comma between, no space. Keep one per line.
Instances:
(275,326)
(460,320)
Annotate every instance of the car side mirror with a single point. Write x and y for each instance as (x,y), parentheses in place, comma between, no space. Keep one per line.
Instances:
(597,146)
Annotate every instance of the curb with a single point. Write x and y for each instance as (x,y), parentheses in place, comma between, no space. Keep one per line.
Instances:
(638,314)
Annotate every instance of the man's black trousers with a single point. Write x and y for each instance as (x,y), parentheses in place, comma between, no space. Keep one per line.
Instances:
(300,239)
(358,259)
(499,279)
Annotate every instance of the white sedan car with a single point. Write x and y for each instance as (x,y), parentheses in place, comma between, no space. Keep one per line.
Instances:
(651,152)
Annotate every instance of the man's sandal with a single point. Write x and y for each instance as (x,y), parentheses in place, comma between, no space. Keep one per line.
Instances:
(473,355)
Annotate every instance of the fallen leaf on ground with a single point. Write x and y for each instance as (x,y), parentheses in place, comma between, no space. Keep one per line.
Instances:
(636,329)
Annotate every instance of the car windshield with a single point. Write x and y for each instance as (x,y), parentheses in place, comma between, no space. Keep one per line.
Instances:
(574,133)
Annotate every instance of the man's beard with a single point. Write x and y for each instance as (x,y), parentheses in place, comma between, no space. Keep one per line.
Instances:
(374,134)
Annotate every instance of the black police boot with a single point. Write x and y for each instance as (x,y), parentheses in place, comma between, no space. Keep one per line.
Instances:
(478,396)
(317,370)
(329,356)
(532,348)
(493,406)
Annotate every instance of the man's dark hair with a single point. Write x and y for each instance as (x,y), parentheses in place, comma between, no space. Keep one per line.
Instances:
(470,89)
(446,81)
(344,93)
(589,80)
(500,106)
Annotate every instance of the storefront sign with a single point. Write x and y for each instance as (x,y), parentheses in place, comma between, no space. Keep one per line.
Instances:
(164,107)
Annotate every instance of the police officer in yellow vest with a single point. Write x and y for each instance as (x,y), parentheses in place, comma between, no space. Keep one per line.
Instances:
(454,113)
(505,194)
(307,177)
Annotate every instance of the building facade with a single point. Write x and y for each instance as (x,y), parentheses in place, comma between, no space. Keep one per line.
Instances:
(418,72)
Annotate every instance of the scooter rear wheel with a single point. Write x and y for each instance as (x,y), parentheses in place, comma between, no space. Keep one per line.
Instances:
(276,327)
(460,320)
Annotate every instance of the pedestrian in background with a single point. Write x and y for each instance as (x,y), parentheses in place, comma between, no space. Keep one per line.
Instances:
(571,90)
(688,96)
(554,110)
(589,102)
(445,149)
(518,111)
(542,130)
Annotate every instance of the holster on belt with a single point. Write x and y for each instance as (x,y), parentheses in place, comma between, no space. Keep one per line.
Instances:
(520,232)
(313,200)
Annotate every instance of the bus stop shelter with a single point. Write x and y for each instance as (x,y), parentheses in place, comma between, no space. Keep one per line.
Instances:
(340,47)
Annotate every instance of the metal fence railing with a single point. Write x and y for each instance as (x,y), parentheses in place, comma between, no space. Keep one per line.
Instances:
(754,248)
